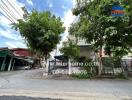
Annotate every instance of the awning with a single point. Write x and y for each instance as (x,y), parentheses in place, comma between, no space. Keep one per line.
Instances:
(61,57)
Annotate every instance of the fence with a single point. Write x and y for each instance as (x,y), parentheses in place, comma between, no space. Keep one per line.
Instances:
(109,68)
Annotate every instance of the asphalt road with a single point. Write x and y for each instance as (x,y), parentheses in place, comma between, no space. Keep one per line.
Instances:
(20,80)
(22,98)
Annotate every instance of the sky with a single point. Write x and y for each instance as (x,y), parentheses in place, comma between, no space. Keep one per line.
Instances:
(11,38)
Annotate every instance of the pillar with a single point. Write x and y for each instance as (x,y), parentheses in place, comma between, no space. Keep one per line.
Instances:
(3,64)
(69,65)
(10,63)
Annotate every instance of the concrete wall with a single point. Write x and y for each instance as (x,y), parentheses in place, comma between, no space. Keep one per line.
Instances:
(86,51)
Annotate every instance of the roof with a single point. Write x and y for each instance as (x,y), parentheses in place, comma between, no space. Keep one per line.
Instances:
(61,57)
(14,49)
(3,48)
(5,52)
(19,52)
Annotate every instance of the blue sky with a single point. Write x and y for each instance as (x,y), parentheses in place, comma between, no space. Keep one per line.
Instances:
(12,39)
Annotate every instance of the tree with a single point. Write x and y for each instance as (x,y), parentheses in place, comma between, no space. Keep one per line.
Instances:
(71,50)
(41,31)
(101,29)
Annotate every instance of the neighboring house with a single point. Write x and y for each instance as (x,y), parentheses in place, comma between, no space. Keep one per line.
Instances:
(13,59)
(21,52)
(85,48)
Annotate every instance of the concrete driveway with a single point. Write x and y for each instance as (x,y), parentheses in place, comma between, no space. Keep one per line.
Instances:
(19,83)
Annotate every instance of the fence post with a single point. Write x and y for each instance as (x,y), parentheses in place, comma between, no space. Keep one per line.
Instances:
(69,63)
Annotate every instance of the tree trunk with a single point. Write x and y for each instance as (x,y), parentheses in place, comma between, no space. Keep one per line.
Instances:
(47,65)
(100,62)
(39,61)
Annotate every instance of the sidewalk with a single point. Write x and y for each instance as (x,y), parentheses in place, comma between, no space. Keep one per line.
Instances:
(63,95)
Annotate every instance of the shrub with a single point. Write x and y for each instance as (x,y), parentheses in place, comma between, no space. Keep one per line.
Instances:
(82,75)
(90,67)
(122,76)
(111,62)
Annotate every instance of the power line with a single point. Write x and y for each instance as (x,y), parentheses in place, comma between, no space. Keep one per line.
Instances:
(6,17)
(7,13)
(14,8)
(10,12)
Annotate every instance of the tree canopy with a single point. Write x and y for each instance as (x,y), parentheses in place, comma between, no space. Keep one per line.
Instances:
(41,31)
(99,28)
(70,49)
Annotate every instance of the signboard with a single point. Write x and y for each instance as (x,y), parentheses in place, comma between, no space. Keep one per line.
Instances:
(117,10)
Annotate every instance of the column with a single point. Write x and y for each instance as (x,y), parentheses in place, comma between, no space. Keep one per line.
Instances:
(3,64)
(9,67)
(69,64)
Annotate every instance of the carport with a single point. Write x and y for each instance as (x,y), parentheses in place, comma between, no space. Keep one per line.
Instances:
(6,60)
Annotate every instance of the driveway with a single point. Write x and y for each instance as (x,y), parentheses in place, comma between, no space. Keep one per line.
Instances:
(20,83)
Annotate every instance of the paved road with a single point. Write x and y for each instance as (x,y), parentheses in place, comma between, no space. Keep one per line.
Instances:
(22,98)
(20,81)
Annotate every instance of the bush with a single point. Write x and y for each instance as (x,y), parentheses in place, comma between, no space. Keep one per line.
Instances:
(111,62)
(122,76)
(83,75)
(90,67)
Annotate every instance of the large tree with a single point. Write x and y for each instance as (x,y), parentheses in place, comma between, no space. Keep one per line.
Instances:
(41,31)
(101,29)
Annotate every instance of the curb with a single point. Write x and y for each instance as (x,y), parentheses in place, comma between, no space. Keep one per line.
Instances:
(63,95)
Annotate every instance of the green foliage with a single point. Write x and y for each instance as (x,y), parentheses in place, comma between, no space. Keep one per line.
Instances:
(99,28)
(117,63)
(82,75)
(111,62)
(41,31)
(122,76)
(70,49)
(107,62)
(90,67)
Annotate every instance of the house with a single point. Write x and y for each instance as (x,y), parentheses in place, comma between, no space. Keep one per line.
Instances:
(86,50)
(13,59)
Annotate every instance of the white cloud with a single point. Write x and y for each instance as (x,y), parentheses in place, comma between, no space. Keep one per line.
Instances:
(4,21)
(30,2)
(18,3)
(50,5)
(11,45)
(8,34)
(14,44)
(68,19)
(74,2)
(21,44)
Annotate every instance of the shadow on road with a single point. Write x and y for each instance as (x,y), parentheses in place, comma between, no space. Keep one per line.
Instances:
(23,98)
